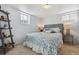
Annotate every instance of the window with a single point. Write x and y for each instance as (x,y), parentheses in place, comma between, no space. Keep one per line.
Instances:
(25,18)
(65,18)
(72,17)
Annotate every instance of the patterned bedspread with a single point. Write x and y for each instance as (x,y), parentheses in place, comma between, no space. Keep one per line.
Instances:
(45,43)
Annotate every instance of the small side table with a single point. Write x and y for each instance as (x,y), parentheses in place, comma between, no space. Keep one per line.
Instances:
(69,39)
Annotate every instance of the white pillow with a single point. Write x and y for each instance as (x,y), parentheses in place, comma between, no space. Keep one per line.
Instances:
(48,31)
(55,29)
(52,30)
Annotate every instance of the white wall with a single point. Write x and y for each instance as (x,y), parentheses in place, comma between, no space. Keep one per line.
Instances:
(19,30)
(52,19)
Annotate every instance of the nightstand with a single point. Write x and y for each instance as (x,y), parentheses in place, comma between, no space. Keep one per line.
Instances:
(68,38)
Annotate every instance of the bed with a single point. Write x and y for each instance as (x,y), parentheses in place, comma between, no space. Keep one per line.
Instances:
(45,43)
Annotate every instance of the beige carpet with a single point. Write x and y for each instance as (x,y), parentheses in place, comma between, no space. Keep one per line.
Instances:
(21,50)
(65,50)
(69,49)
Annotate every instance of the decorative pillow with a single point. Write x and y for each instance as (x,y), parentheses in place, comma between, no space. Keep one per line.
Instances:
(52,32)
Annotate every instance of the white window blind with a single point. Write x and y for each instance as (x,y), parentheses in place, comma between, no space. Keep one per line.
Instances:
(25,18)
(65,18)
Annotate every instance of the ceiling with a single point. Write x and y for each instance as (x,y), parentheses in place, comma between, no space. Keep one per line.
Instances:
(39,10)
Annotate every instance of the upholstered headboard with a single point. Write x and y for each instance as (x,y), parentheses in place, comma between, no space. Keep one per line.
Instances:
(60,26)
